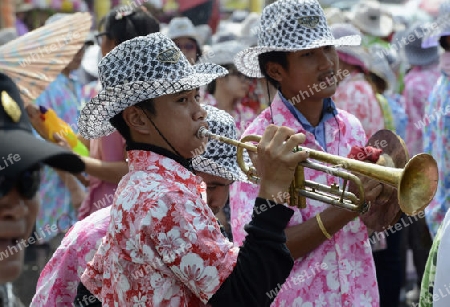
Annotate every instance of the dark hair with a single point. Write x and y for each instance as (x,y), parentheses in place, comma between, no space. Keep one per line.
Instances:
(379,83)
(119,123)
(279,57)
(211,87)
(122,26)
(444,43)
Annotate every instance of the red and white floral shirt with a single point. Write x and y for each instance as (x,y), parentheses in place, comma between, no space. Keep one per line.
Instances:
(164,246)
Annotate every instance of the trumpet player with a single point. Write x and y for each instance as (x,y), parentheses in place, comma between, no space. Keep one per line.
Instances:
(296,53)
(159,223)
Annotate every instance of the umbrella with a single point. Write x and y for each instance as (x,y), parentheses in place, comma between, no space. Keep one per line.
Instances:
(34,60)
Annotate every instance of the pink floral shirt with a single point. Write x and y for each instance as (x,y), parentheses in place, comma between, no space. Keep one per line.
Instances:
(341,271)
(356,96)
(419,83)
(57,284)
(163,246)
(243,115)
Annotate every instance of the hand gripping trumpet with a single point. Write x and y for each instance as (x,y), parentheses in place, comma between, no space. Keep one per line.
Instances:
(416,183)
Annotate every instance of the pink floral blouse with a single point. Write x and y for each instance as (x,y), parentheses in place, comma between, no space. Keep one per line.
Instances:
(419,83)
(57,284)
(163,246)
(341,271)
(356,96)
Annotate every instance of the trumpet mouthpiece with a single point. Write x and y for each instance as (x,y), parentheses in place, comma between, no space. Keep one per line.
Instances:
(202,132)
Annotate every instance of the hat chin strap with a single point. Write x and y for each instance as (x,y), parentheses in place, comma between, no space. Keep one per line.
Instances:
(160,133)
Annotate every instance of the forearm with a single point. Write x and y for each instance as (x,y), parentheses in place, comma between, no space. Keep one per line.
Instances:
(106,171)
(306,237)
(86,142)
(263,263)
(77,194)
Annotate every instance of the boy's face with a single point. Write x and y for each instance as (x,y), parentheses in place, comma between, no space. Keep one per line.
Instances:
(17,218)
(178,117)
(310,74)
(217,190)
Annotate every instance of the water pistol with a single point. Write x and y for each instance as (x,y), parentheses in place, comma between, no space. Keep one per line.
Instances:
(53,124)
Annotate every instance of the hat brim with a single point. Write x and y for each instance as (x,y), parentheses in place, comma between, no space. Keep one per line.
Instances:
(94,117)
(210,166)
(421,57)
(26,150)
(385,29)
(247,62)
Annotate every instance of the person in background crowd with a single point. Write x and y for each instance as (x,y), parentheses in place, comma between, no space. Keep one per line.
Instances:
(106,164)
(296,54)
(382,78)
(436,124)
(19,184)
(183,33)
(373,21)
(436,128)
(201,12)
(227,92)
(59,191)
(64,269)
(158,202)
(418,84)
(354,93)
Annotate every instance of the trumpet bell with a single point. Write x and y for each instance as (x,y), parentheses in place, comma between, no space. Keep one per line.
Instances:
(418,184)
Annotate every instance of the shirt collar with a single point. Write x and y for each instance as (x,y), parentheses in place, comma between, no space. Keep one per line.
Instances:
(187,163)
(329,110)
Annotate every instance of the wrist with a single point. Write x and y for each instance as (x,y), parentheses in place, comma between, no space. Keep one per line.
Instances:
(272,192)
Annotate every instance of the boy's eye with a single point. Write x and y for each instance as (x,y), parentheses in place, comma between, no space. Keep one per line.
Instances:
(197,98)
(182,99)
(306,54)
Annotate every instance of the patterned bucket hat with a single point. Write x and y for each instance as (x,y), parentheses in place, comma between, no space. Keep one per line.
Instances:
(290,25)
(141,68)
(219,159)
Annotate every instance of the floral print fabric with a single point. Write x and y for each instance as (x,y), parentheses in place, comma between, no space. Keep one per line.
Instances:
(419,83)
(356,96)
(57,284)
(163,246)
(341,271)
(436,130)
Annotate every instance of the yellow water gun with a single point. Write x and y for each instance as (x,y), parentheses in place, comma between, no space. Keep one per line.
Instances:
(55,125)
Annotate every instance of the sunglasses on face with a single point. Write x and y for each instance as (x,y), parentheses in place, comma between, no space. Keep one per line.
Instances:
(187,46)
(27,183)
(99,37)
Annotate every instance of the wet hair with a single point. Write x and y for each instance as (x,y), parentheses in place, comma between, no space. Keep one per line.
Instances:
(121,26)
(279,57)
(121,126)
(443,41)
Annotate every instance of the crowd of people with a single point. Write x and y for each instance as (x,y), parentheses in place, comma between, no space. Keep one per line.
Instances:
(158,215)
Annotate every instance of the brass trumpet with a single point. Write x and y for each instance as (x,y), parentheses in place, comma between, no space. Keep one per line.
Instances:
(416,183)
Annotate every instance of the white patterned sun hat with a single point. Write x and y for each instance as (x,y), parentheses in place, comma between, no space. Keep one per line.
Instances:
(141,68)
(371,18)
(219,159)
(290,25)
(440,27)
(182,27)
(223,53)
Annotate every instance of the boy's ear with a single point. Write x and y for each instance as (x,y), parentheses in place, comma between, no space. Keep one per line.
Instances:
(136,119)
(274,70)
